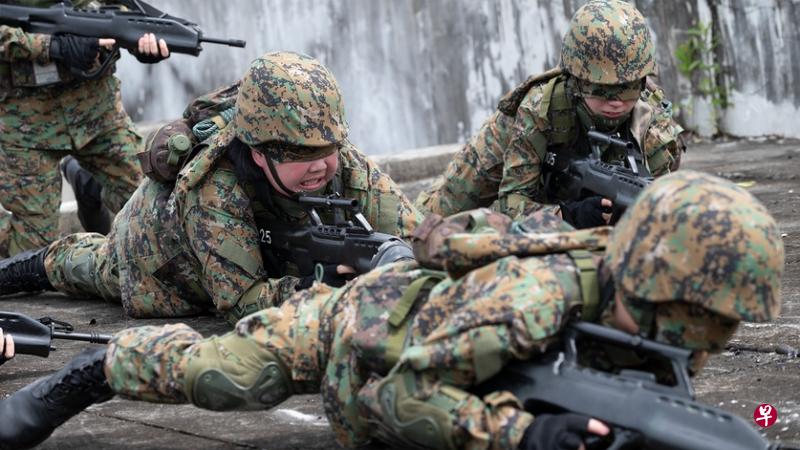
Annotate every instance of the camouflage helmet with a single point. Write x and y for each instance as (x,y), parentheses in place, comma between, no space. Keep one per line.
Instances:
(608,42)
(694,246)
(290,106)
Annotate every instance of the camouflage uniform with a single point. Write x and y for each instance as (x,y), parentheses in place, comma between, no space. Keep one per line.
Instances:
(40,124)
(176,250)
(395,352)
(541,124)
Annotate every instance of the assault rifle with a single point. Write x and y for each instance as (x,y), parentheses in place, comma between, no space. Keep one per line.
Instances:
(33,337)
(642,412)
(592,176)
(125,26)
(352,244)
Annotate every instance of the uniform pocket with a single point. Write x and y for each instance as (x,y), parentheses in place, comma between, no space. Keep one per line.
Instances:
(22,161)
(177,274)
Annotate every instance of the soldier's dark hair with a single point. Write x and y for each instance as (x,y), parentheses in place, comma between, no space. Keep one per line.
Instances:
(246,169)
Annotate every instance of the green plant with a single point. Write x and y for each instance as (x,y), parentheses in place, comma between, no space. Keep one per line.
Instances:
(693,56)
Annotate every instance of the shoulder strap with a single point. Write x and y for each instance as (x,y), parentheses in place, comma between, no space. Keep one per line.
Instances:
(397,318)
(559,110)
(561,114)
(590,285)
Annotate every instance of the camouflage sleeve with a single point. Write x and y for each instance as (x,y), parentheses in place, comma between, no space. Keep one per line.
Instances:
(521,167)
(385,207)
(16,45)
(149,363)
(388,208)
(472,178)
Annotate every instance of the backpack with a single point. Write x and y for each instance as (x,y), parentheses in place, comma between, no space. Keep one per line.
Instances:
(168,148)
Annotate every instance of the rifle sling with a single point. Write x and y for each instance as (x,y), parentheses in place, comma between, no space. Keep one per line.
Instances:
(397,318)
(540,140)
(590,285)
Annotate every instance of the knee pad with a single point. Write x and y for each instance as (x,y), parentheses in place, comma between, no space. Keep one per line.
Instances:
(410,419)
(235,373)
(80,267)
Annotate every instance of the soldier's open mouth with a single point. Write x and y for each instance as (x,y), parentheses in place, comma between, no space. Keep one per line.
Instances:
(314,184)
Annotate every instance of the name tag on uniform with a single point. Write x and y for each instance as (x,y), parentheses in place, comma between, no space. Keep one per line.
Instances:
(44,74)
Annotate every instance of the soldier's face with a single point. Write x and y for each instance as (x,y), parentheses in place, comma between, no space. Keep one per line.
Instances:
(610,109)
(307,176)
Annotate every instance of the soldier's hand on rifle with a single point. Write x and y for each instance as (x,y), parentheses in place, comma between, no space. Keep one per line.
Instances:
(151,51)
(335,275)
(76,51)
(587,213)
(561,432)
(607,205)
(7,351)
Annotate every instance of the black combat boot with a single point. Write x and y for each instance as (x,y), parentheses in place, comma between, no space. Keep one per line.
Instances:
(31,414)
(24,272)
(92,214)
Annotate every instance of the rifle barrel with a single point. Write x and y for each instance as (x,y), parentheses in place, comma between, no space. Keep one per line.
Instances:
(94,338)
(231,42)
(327,202)
(606,139)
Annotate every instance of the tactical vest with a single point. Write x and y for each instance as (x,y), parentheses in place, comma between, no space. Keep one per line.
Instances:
(22,78)
(564,137)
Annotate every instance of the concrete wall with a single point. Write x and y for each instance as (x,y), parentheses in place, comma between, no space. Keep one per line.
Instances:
(417,73)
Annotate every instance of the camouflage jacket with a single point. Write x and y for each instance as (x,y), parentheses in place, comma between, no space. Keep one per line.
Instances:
(59,116)
(461,333)
(197,244)
(502,164)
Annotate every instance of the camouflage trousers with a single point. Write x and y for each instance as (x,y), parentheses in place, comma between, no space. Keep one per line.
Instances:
(84,265)
(93,265)
(314,335)
(32,184)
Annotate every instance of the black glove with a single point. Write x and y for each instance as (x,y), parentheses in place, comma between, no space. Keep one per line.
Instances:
(329,277)
(586,213)
(74,51)
(555,432)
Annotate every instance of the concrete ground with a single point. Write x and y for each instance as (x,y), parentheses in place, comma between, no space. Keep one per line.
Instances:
(761,367)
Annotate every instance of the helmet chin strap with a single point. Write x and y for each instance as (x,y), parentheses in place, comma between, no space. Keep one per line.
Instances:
(277,179)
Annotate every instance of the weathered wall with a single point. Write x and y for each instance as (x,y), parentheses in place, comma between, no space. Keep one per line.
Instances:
(425,72)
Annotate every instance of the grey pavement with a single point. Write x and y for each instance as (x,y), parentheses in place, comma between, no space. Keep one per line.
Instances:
(761,366)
